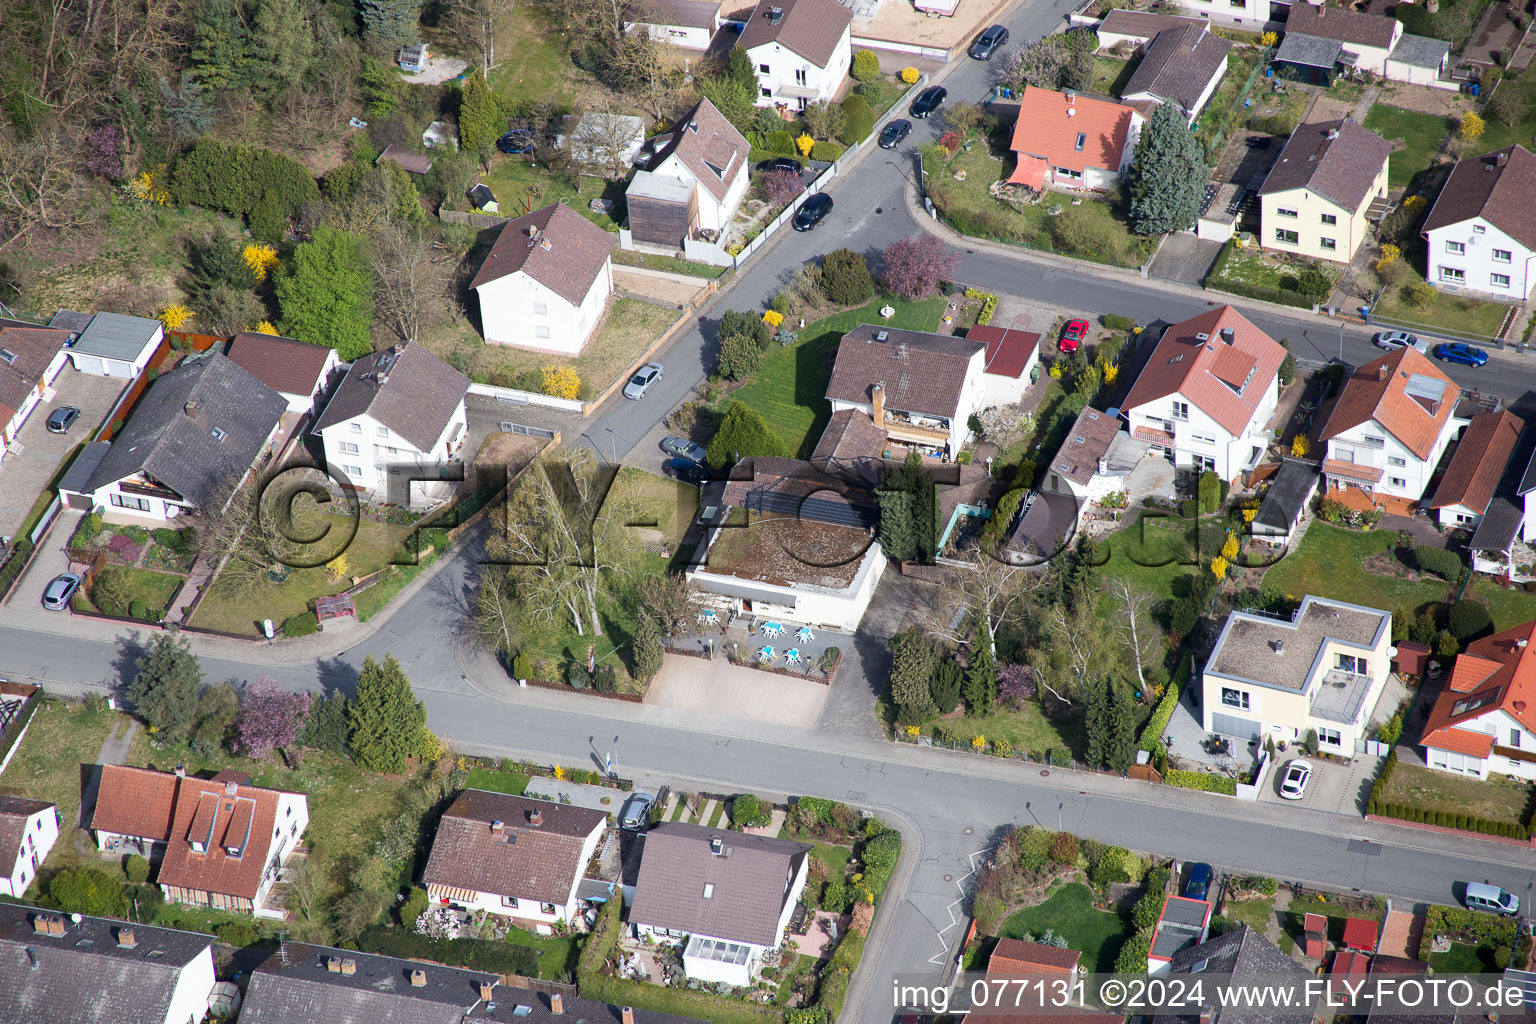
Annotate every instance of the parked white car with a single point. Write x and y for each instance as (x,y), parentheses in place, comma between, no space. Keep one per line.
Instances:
(1297,774)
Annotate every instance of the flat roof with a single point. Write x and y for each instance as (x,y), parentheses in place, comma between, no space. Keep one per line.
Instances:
(1281,654)
(789,552)
(1339,696)
(650,185)
(116,336)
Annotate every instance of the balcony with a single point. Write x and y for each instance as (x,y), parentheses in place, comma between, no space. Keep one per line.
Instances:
(925,430)
(1338,696)
(147,490)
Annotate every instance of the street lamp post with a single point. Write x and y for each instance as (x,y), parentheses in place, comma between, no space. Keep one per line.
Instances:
(1341,340)
(613,757)
(613,456)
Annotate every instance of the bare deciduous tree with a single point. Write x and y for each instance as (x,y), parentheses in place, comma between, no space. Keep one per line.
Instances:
(41,187)
(604,137)
(986,588)
(403,277)
(1133,618)
(1006,425)
(476,22)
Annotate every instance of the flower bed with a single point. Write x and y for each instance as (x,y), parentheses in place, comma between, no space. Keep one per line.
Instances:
(1203,781)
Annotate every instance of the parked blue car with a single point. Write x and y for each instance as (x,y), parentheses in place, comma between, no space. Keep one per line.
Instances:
(1459,352)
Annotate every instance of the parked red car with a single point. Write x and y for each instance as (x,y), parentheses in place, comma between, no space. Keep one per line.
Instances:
(1073,334)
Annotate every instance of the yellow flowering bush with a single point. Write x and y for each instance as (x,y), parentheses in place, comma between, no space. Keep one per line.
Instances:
(561,382)
(144,190)
(910,75)
(1390,254)
(265,327)
(1111,374)
(1414,202)
(1219,567)
(260,258)
(1268,39)
(773,318)
(1300,446)
(560,772)
(979,743)
(337,567)
(1249,514)
(1229,549)
(804,144)
(1002,748)
(1471,126)
(1056,371)
(175,316)
(913,731)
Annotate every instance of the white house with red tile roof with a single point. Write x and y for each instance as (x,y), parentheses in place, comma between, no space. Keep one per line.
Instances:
(1207,393)
(1068,141)
(1389,426)
(1009,365)
(28,830)
(1477,465)
(1485,718)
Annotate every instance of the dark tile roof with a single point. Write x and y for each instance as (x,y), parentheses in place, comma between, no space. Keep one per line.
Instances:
(1287,495)
(522,1006)
(1086,443)
(828,493)
(408,389)
(682,13)
(170,433)
(1178,65)
(811,28)
(295,985)
(15,812)
(556,246)
(1339,160)
(1496,186)
(1142,23)
(282,364)
(416,163)
(1497,529)
(70,320)
(1479,460)
(922,372)
(1242,952)
(1421,51)
(1344,25)
(750,879)
(25,353)
(537,862)
(1008,350)
(1311,51)
(708,145)
(84,976)
(850,436)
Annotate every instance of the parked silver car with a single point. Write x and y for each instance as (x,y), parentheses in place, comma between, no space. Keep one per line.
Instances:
(60,589)
(641,382)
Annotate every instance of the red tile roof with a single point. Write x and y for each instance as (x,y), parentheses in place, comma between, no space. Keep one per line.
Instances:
(1360,934)
(135,802)
(1510,687)
(1377,392)
(1352,470)
(1049,125)
(1479,461)
(282,364)
(31,350)
(1196,368)
(1497,187)
(556,246)
(209,814)
(1015,956)
(1350,963)
(1008,351)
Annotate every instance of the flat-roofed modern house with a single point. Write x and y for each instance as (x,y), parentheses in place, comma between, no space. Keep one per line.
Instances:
(59,968)
(513,856)
(116,345)
(1322,670)
(192,439)
(219,842)
(305,984)
(1484,720)
(1183,923)
(28,830)
(725,896)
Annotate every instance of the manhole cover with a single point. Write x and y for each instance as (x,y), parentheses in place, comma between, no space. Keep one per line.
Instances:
(879,209)
(949,878)
(1044,773)
(969,831)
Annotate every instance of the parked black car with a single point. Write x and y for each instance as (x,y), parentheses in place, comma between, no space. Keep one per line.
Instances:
(988,43)
(928,101)
(811,214)
(892,134)
(780,163)
(686,471)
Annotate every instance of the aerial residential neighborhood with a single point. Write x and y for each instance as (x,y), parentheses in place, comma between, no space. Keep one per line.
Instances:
(795,512)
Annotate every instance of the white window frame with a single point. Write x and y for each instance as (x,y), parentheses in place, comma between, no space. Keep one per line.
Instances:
(1180,411)
(1232,697)
(1453,274)
(348,447)
(1455,248)
(1285,236)
(1286,211)
(1397,460)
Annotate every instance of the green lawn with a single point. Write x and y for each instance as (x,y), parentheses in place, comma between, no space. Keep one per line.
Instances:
(1223,113)
(155,589)
(511,783)
(1252,265)
(790,386)
(1256,914)
(1421,134)
(521,187)
(1070,913)
(833,858)
(1293,920)
(1111,74)
(671,504)
(1025,729)
(533,57)
(1093,231)
(240,611)
(1453,313)
(1463,958)
(1329,561)
(1453,22)
(1157,552)
(668,263)
(1497,134)
(630,328)
(1501,798)
(47,766)
(557,954)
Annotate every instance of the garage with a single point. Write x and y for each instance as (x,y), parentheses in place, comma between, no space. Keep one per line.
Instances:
(1245,729)
(114,345)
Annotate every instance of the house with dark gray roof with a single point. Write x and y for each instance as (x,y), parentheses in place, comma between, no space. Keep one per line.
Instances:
(726,897)
(397,415)
(692,182)
(189,442)
(546,281)
(94,970)
(800,49)
(305,984)
(1247,954)
(112,344)
(514,856)
(1360,41)
(920,388)
(1481,229)
(524,1006)
(28,830)
(1289,493)
(1321,194)
(1182,66)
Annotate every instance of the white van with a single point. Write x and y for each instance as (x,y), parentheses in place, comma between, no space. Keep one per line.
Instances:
(1492,899)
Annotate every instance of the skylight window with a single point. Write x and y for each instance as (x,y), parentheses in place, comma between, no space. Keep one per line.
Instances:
(709,890)
(1082,140)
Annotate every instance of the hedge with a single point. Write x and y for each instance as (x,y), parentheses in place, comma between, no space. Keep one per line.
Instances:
(302,624)
(988,305)
(1202,781)
(475,954)
(1116,322)
(1445,819)
(1152,732)
(834,983)
(1445,564)
(826,150)
(1262,292)
(21,551)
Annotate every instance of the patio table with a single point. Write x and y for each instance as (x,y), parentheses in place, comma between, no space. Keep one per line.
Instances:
(765,654)
(804,634)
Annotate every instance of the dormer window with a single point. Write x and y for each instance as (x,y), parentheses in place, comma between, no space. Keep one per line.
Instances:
(1180,410)
(8,356)
(198,847)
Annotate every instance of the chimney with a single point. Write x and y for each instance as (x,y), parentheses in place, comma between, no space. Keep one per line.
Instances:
(1278,645)
(231,787)
(190,408)
(348,966)
(1208,1013)
(125,938)
(628,1015)
(1071,95)
(1228,335)
(1333,133)
(556,1003)
(333,964)
(877,403)
(536,818)
(1102,467)
(487,989)
(498,826)
(181,770)
(1382,373)
(418,978)
(1501,158)
(716,845)
(42,924)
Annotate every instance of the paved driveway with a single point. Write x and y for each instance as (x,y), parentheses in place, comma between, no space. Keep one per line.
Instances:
(28,468)
(1340,788)
(49,560)
(719,688)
